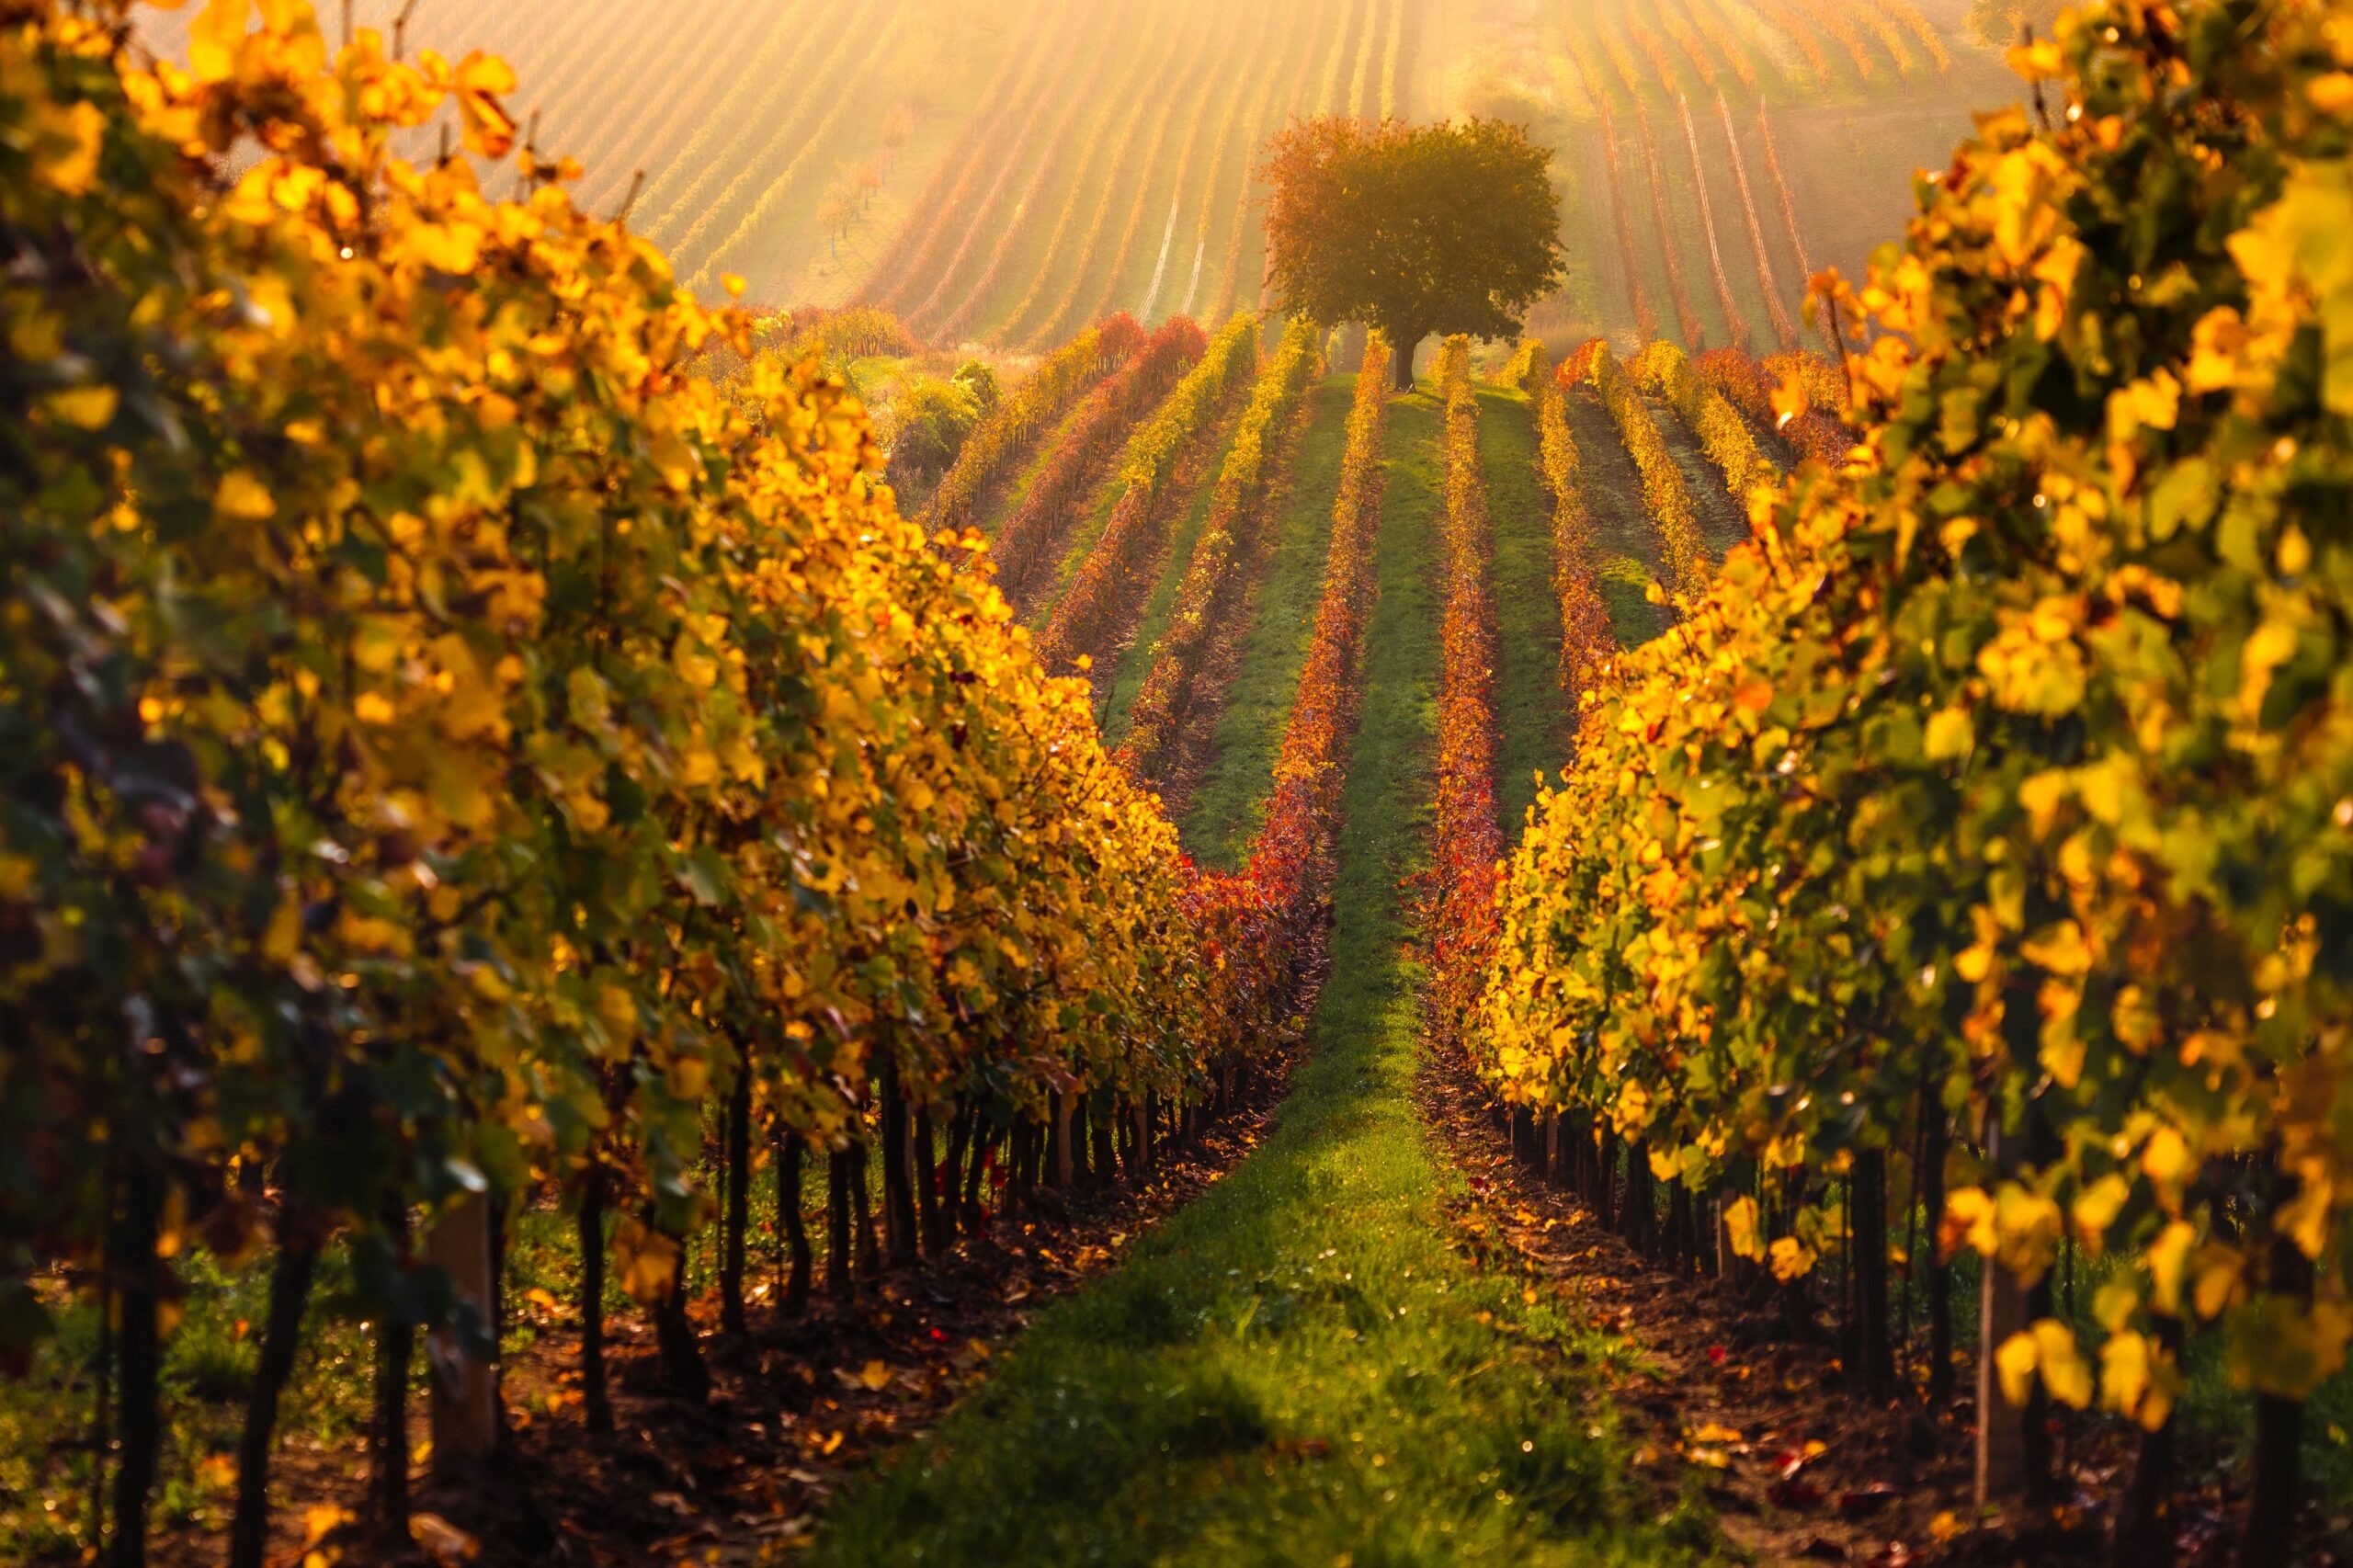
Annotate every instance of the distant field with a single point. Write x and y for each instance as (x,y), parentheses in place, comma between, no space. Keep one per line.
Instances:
(998,175)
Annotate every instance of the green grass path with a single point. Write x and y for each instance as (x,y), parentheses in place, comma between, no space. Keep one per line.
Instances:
(1229,802)
(1532,711)
(1297,1368)
(1134,661)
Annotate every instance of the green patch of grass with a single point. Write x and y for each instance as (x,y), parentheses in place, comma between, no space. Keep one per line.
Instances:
(1135,660)
(1298,1366)
(47,1415)
(1624,541)
(1230,802)
(1018,490)
(1625,589)
(210,1359)
(1532,712)
(1075,549)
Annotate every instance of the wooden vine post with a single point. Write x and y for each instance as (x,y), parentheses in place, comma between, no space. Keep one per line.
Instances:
(464,1401)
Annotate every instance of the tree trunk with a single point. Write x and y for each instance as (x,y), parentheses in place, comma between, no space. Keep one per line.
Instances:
(462,1395)
(1023,1176)
(1685,1233)
(102,1393)
(137,1278)
(596,1403)
(1869,1192)
(898,1190)
(870,1251)
(395,1347)
(2005,1460)
(1640,1213)
(1105,1167)
(935,1233)
(732,1316)
(1082,1166)
(1936,1275)
(2269,1534)
(2268,1538)
(1062,1165)
(976,1172)
(791,1154)
(290,1292)
(837,1206)
(2143,1535)
(1401,344)
(963,1146)
(674,1337)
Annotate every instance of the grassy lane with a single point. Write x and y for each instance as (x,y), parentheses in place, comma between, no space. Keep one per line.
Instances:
(1297,1368)
(1034,465)
(1723,522)
(1135,659)
(1530,709)
(1624,542)
(1229,802)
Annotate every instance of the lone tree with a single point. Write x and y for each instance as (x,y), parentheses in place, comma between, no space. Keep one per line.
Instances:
(1414,229)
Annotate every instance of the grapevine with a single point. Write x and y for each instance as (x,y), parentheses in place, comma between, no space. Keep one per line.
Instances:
(1687,320)
(1922,28)
(494,744)
(1204,62)
(1124,101)
(779,58)
(1713,29)
(1004,439)
(1790,213)
(1587,641)
(1237,211)
(698,206)
(1687,39)
(1810,436)
(968,225)
(1329,97)
(1459,900)
(1028,543)
(788,180)
(1791,26)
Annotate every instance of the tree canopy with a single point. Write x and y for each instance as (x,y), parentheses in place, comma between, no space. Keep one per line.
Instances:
(1413,229)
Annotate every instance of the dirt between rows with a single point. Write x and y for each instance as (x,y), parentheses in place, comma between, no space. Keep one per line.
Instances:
(799,1407)
(1797,1465)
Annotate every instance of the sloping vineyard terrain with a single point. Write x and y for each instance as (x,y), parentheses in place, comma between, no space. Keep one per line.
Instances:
(999,176)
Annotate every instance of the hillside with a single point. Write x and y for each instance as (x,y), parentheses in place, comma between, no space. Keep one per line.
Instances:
(1001,174)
